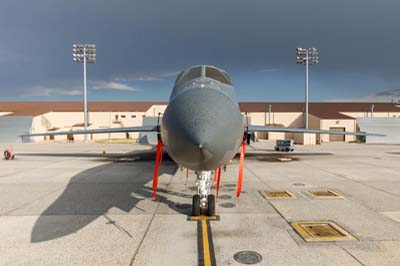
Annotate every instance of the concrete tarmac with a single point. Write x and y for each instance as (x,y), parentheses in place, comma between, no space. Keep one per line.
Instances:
(70,204)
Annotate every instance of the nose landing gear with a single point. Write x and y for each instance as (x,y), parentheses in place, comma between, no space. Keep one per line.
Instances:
(204,201)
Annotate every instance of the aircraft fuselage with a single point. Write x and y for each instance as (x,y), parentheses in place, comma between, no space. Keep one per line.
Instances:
(202,127)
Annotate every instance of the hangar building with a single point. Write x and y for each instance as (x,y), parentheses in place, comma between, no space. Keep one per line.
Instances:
(35,117)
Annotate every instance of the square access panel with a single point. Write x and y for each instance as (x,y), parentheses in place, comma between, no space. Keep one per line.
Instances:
(324,194)
(276,194)
(321,231)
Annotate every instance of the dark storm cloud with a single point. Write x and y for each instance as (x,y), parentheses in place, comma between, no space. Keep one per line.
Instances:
(148,40)
(395,93)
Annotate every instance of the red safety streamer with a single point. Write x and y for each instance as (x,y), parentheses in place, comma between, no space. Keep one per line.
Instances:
(218,179)
(157,166)
(241,164)
(215,176)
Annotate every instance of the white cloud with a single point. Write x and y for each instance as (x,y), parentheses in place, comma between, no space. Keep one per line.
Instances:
(381,96)
(43,91)
(73,89)
(269,70)
(390,93)
(148,76)
(111,85)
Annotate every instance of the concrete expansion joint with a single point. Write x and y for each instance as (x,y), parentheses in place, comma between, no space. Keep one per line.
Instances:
(148,227)
(354,257)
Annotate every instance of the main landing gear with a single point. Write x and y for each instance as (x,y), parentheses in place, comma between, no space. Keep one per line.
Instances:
(8,155)
(204,201)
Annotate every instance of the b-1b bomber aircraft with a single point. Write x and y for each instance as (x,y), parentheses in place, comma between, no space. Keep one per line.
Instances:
(202,129)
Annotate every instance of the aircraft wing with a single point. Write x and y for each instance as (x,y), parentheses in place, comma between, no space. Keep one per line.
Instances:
(304,130)
(96,131)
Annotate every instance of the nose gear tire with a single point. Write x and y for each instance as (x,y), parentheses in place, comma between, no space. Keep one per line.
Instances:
(196,205)
(211,205)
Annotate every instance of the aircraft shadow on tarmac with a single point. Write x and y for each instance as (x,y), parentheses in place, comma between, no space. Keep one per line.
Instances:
(148,155)
(92,193)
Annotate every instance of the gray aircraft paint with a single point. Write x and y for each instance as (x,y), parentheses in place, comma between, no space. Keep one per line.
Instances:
(202,127)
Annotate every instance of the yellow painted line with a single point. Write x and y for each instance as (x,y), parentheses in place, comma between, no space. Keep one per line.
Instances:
(206,245)
(203,217)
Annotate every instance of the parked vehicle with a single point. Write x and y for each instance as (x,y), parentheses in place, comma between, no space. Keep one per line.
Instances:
(284,145)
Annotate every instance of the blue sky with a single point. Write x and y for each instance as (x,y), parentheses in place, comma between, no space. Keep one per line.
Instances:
(143,45)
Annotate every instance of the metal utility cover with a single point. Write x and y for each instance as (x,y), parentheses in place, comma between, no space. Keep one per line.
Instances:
(324,194)
(227,205)
(247,257)
(276,194)
(321,231)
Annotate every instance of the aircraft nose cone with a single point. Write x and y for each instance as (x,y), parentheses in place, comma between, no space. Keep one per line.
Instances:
(202,128)
(195,138)
(197,130)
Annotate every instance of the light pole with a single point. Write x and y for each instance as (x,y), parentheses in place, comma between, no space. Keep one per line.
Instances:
(372,110)
(84,53)
(306,57)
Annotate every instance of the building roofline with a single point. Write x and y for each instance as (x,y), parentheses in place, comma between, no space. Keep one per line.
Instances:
(325,110)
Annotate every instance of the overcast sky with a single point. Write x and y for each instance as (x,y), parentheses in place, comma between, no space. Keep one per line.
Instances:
(143,44)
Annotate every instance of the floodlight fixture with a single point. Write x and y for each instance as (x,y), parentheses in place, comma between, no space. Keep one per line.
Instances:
(306,56)
(84,53)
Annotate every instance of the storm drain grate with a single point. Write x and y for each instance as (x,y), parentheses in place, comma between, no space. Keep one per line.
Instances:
(227,205)
(183,206)
(225,197)
(276,194)
(247,257)
(324,194)
(321,231)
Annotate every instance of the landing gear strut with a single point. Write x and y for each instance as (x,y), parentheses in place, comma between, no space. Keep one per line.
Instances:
(203,202)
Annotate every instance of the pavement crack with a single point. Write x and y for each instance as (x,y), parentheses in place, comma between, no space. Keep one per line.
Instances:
(147,229)
(31,202)
(354,257)
(114,223)
(272,205)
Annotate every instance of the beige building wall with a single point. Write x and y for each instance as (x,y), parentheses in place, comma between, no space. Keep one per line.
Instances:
(314,122)
(65,121)
(155,109)
(296,120)
(38,126)
(307,139)
(286,119)
(276,135)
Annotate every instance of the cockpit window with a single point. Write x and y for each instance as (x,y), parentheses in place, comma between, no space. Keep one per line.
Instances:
(218,75)
(187,75)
